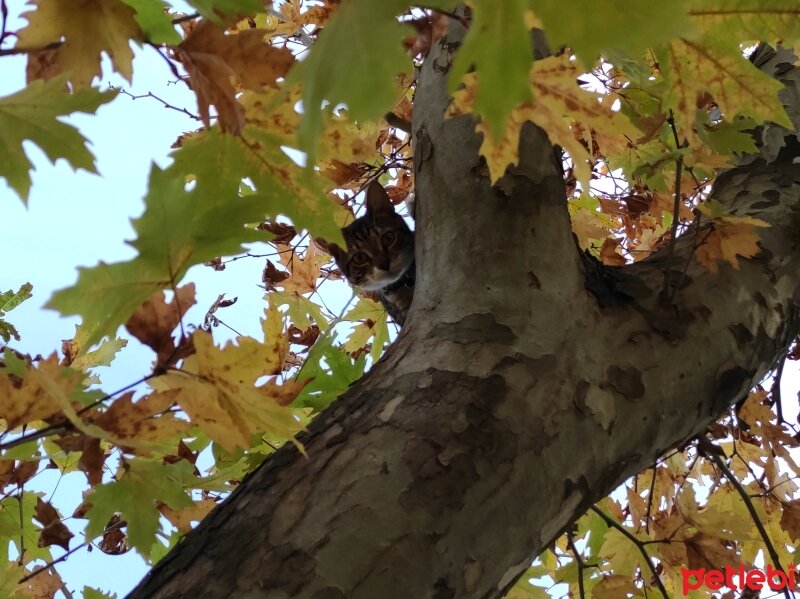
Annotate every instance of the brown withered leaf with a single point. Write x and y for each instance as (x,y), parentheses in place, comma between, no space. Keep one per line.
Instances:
(343,173)
(283,233)
(213,58)
(6,470)
(114,541)
(790,519)
(608,253)
(147,419)
(210,320)
(44,585)
(301,337)
(23,472)
(153,322)
(92,459)
(182,519)
(430,29)
(54,531)
(271,276)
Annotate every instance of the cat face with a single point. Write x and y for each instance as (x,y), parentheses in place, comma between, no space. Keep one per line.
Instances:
(380,246)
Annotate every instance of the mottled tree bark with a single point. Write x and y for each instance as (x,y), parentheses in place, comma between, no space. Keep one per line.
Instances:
(528,382)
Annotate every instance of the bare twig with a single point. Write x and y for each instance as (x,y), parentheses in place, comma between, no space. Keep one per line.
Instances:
(639,545)
(184,18)
(581,565)
(164,103)
(13,51)
(667,291)
(51,564)
(650,500)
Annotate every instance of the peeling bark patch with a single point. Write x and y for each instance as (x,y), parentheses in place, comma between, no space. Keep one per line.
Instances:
(625,381)
(386,413)
(533,280)
(743,336)
(579,397)
(475,328)
(445,462)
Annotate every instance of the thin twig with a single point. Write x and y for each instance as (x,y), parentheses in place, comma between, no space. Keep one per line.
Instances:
(51,564)
(650,500)
(164,103)
(719,463)
(4,12)
(184,18)
(581,565)
(13,51)
(639,545)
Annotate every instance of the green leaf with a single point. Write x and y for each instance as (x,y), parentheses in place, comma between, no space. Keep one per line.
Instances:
(211,9)
(497,36)
(134,496)
(590,27)
(354,61)
(731,138)
(31,114)
(8,301)
(178,229)
(331,371)
(154,21)
(767,20)
(90,593)
(302,311)
(21,532)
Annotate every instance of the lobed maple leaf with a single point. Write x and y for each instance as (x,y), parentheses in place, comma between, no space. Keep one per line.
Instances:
(213,58)
(558,101)
(31,114)
(217,386)
(730,236)
(89,28)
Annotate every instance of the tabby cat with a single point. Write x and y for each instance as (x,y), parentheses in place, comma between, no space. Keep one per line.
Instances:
(380,253)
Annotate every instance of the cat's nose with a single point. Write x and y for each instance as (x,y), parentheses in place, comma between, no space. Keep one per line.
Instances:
(383,262)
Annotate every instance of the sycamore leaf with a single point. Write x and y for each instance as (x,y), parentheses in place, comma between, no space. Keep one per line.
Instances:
(558,101)
(497,36)
(134,495)
(213,58)
(88,28)
(366,37)
(729,237)
(766,20)
(155,22)
(78,354)
(31,114)
(8,301)
(621,553)
(736,86)
(44,585)
(147,419)
(331,370)
(217,387)
(615,586)
(21,531)
(613,25)
(301,311)
(153,322)
(31,400)
(304,270)
(373,325)
(182,519)
(90,593)
(178,229)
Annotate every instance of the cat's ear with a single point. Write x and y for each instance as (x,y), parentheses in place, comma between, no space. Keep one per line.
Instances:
(378,201)
(333,249)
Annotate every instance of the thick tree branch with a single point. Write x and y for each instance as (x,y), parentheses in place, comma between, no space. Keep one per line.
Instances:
(527,383)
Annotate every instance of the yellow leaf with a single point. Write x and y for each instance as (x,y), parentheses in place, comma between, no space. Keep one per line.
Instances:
(304,270)
(217,386)
(147,419)
(29,400)
(730,237)
(89,28)
(182,518)
(732,82)
(557,104)
(622,554)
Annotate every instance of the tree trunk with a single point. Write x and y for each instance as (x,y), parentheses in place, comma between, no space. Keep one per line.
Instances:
(528,382)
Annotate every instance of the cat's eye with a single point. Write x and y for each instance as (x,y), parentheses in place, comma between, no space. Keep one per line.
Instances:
(360,259)
(388,238)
